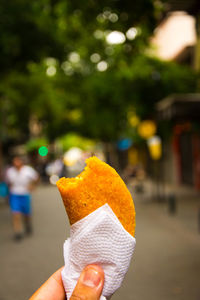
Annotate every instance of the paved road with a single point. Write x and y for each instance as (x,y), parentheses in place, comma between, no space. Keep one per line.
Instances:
(166,263)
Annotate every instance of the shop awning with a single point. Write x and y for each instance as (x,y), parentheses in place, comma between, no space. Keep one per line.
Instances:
(179,107)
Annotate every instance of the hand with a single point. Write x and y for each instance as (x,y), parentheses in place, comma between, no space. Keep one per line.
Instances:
(52,289)
(89,286)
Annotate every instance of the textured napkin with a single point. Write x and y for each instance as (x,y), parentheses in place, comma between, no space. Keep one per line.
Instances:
(99,238)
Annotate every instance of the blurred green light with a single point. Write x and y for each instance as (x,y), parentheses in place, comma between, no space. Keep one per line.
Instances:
(43,151)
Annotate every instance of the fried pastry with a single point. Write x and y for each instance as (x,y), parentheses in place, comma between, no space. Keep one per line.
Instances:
(97,185)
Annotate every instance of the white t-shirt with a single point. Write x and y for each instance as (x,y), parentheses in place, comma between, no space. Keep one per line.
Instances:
(19,180)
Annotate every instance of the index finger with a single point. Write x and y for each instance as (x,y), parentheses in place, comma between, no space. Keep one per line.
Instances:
(52,289)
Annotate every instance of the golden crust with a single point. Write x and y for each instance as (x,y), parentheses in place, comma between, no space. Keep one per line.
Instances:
(96,185)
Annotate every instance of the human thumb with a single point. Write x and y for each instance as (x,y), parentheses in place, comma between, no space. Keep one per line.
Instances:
(90,284)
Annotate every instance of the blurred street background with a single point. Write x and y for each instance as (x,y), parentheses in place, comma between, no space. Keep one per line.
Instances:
(165,264)
(119,80)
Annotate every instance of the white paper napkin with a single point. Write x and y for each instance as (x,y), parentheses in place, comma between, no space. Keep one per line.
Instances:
(99,238)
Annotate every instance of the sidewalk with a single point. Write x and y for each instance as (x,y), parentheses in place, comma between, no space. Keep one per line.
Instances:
(165,265)
(186,206)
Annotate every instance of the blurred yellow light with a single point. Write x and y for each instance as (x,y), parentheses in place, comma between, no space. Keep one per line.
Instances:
(74,115)
(51,71)
(113,17)
(146,129)
(155,147)
(72,156)
(102,66)
(95,57)
(131,33)
(74,57)
(134,121)
(69,163)
(115,37)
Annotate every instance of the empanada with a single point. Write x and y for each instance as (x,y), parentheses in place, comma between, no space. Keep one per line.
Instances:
(98,184)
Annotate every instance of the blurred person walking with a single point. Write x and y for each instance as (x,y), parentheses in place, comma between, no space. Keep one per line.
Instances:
(21,180)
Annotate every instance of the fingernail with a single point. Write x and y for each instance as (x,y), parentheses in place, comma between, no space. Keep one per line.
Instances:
(91,277)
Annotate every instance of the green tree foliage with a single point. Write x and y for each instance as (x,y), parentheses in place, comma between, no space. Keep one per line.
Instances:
(58,66)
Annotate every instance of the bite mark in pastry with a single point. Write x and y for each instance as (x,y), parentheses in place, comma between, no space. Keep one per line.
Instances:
(97,185)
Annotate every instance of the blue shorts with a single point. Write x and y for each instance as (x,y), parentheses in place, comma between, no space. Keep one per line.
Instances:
(20,203)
